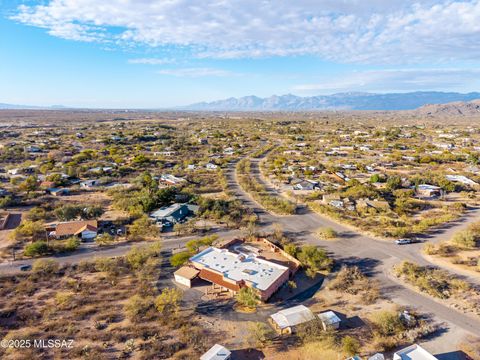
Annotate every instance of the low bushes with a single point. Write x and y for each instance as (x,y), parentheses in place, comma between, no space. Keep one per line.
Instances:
(435,282)
(259,192)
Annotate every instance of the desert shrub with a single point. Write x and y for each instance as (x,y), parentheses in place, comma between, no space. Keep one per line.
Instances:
(168,302)
(37,248)
(465,239)
(180,258)
(137,307)
(143,228)
(247,297)
(387,323)
(314,259)
(352,281)
(350,345)
(45,266)
(259,334)
(63,300)
(435,282)
(326,233)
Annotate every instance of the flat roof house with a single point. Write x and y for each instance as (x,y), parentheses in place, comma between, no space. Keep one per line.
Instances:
(285,321)
(233,271)
(413,352)
(216,352)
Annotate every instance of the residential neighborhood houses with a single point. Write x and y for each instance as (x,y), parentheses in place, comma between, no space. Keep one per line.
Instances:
(238,238)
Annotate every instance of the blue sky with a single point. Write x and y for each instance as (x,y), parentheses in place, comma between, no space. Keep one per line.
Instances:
(162,53)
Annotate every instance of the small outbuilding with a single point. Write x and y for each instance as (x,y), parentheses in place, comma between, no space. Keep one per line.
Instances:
(216,352)
(285,321)
(185,275)
(329,320)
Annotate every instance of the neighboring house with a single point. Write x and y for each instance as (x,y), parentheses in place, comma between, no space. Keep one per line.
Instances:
(173,214)
(461,179)
(88,184)
(285,321)
(57,191)
(86,230)
(216,352)
(413,352)
(337,204)
(169,179)
(329,320)
(211,166)
(185,275)
(15,171)
(428,191)
(306,185)
(376,204)
(228,151)
(33,149)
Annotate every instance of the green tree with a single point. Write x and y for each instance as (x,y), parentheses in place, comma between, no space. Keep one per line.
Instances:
(142,228)
(29,184)
(168,302)
(314,259)
(465,239)
(259,334)
(394,182)
(104,239)
(137,307)
(36,248)
(247,297)
(45,266)
(387,323)
(180,258)
(72,243)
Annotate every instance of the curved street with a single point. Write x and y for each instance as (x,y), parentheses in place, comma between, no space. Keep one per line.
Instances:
(374,257)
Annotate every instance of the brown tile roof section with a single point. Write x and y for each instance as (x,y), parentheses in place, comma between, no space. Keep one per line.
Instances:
(75,227)
(218,279)
(187,272)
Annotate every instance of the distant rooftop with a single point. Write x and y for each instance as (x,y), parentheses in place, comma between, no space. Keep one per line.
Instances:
(216,352)
(261,273)
(166,211)
(413,352)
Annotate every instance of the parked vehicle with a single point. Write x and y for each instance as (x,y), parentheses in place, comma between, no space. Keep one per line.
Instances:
(25,267)
(403,241)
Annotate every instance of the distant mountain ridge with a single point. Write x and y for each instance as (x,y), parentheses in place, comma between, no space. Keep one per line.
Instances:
(28,107)
(340,101)
(470,108)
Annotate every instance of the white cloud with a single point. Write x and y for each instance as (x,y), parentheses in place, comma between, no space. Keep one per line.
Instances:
(196,72)
(395,80)
(151,61)
(361,31)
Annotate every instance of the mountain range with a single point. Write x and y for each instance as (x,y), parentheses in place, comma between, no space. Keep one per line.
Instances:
(456,103)
(29,107)
(340,101)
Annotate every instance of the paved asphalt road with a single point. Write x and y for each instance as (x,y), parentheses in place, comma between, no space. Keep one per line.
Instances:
(375,257)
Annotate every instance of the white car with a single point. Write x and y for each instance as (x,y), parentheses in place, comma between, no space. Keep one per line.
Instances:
(403,241)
